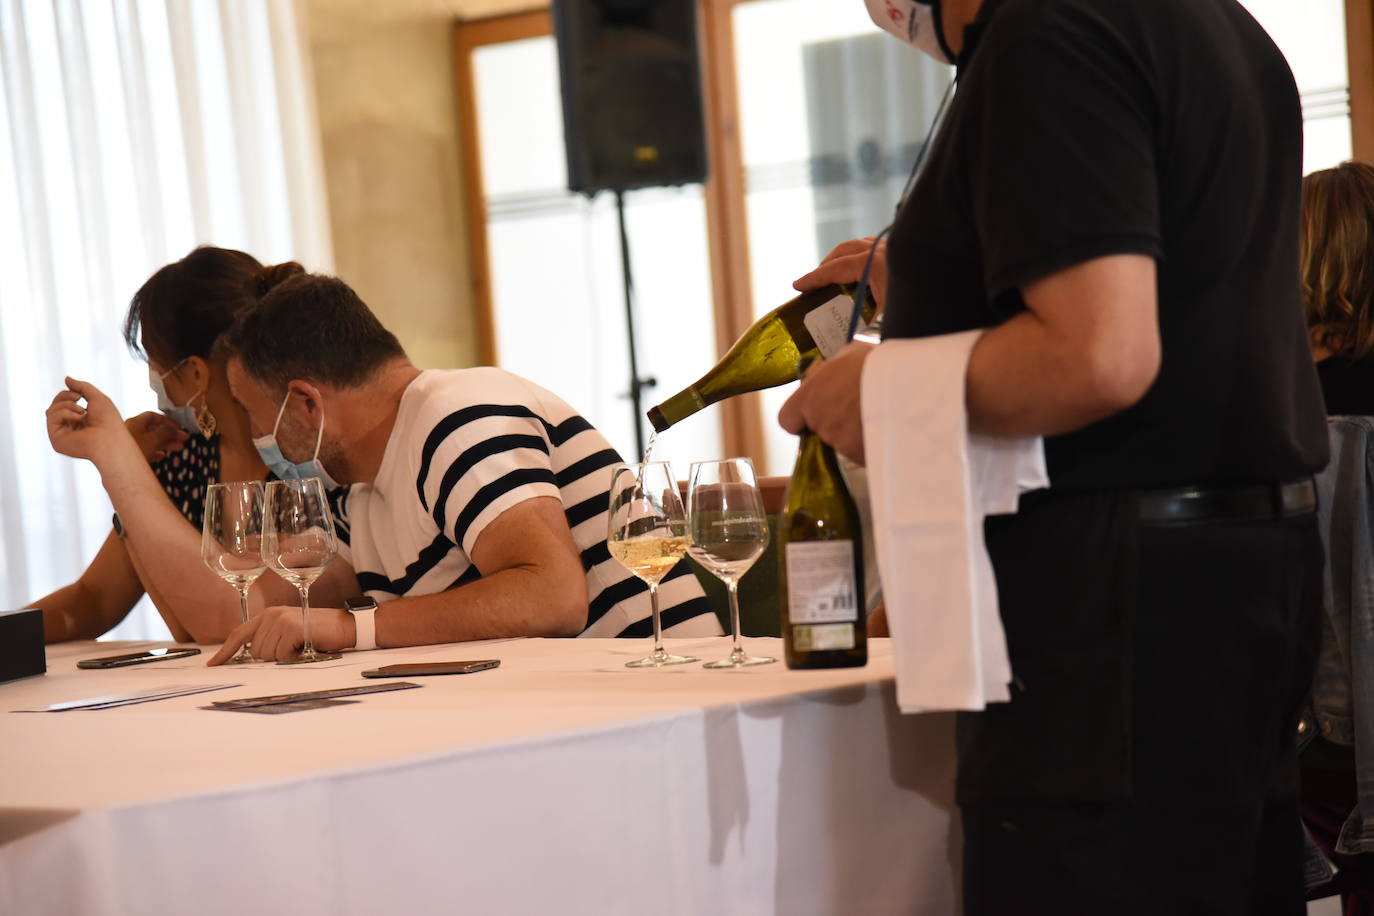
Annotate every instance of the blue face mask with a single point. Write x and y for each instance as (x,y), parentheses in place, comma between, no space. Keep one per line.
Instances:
(185,415)
(277,463)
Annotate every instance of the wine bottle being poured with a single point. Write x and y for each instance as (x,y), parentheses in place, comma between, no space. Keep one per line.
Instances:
(814,324)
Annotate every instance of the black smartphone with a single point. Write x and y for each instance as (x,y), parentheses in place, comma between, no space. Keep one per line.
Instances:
(136,658)
(418,670)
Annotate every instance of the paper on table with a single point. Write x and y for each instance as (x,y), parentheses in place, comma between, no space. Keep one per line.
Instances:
(932,483)
(128,699)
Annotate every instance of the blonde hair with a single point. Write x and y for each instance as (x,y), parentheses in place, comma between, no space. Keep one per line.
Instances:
(1336,252)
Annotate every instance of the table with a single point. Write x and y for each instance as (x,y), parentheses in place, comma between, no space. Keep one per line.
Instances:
(559,782)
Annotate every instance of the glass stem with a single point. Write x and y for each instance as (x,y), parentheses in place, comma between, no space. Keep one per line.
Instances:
(658,625)
(306,648)
(731,586)
(245,651)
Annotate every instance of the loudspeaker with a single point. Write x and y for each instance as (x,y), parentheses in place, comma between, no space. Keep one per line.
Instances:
(631,87)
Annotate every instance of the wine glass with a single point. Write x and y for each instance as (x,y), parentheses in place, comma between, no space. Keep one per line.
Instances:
(231,542)
(728,531)
(298,542)
(647,534)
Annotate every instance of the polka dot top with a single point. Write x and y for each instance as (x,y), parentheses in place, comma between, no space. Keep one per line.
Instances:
(187,474)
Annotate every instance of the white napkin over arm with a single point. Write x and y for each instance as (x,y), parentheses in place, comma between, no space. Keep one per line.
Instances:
(932,483)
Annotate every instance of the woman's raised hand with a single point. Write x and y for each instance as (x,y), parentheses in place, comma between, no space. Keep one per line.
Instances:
(85,431)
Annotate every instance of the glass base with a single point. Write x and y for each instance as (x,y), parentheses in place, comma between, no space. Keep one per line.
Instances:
(738,659)
(312,657)
(244,656)
(660,659)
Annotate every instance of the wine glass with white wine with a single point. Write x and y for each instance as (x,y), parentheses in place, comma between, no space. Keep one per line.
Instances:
(728,532)
(647,534)
(231,542)
(298,542)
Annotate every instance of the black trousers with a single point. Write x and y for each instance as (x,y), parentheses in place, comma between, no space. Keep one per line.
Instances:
(1145,764)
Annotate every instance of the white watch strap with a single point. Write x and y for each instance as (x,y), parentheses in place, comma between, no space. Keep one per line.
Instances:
(366,627)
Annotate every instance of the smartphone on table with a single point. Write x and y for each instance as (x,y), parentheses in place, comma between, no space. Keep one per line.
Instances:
(424,668)
(136,658)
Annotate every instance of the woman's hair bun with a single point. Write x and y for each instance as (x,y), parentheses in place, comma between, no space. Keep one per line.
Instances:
(273,274)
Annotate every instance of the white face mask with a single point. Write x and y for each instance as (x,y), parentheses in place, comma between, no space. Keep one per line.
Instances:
(912,22)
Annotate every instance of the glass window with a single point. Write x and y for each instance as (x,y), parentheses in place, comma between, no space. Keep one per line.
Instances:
(557,294)
(832,114)
(1312,37)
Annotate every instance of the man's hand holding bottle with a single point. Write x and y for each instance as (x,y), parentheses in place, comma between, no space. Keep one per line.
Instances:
(827,401)
(845,265)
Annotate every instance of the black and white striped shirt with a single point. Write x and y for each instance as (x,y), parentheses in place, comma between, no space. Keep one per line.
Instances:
(468,444)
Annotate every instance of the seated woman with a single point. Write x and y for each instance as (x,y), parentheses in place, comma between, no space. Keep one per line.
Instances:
(1337,265)
(173,320)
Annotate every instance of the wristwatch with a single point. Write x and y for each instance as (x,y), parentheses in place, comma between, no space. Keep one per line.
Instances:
(363,608)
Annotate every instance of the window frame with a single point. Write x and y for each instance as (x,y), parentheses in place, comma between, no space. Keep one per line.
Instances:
(1359,39)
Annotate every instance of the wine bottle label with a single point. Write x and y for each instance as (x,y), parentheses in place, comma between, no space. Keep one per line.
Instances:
(829,325)
(822,636)
(820,582)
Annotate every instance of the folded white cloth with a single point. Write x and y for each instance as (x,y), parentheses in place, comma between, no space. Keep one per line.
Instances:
(932,482)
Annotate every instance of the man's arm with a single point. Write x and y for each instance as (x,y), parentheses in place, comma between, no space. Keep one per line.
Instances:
(533,584)
(1086,347)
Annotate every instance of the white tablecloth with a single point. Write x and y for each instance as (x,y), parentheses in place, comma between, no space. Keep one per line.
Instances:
(560,782)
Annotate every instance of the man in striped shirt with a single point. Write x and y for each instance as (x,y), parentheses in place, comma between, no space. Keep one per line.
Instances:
(471,503)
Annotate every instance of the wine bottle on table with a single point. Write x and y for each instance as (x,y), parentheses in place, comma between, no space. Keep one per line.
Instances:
(821,586)
(813,325)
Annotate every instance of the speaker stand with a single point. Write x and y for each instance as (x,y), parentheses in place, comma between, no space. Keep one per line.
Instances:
(637,385)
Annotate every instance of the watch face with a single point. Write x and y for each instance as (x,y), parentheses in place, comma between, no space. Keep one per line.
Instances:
(360,604)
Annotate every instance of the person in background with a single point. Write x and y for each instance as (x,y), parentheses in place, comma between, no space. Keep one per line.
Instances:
(1337,264)
(1337,269)
(472,503)
(1113,198)
(202,437)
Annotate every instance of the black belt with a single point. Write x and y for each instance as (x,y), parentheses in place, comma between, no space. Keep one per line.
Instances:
(1186,505)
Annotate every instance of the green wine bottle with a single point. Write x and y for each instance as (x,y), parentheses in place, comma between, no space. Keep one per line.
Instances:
(814,324)
(821,585)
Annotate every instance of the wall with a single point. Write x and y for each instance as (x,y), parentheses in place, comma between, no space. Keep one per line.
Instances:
(384,87)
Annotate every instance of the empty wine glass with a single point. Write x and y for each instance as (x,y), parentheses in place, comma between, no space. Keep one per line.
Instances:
(728,531)
(231,542)
(298,542)
(647,534)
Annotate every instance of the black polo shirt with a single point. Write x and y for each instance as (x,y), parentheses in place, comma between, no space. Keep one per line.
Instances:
(1169,128)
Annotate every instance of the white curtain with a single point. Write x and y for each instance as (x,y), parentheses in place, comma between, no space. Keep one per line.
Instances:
(130,131)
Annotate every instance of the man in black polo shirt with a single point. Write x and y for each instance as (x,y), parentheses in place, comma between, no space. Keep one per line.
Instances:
(1114,194)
